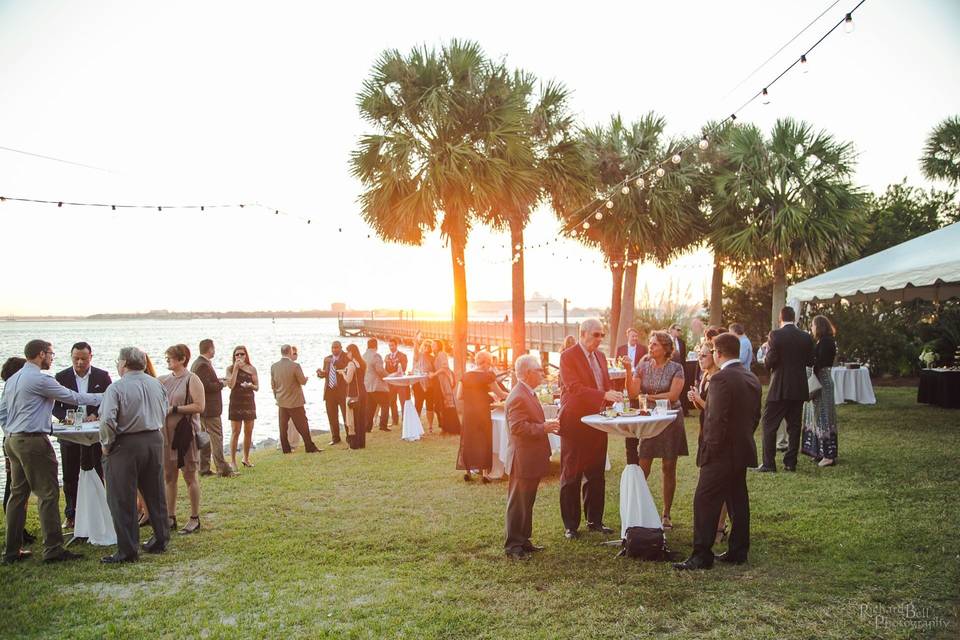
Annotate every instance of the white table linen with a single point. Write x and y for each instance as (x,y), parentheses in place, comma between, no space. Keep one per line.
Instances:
(92,520)
(853,385)
(412,426)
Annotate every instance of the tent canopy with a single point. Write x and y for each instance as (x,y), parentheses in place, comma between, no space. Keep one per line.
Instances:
(927,267)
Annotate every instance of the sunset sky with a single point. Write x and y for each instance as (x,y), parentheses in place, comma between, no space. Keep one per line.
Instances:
(187,102)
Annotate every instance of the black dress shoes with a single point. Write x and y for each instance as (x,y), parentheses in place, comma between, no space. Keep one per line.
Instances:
(23,554)
(601,528)
(117,559)
(731,559)
(571,534)
(693,563)
(63,556)
(764,469)
(532,548)
(517,554)
(152,546)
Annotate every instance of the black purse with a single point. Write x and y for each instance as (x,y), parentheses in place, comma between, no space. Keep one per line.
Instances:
(202,438)
(645,543)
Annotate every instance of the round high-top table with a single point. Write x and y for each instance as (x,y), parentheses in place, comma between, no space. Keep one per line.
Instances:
(853,385)
(92,520)
(412,427)
(637,508)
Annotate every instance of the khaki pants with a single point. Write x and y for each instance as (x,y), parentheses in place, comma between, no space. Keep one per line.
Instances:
(214,428)
(33,468)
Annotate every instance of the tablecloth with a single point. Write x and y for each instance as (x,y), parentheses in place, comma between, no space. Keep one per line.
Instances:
(853,385)
(940,387)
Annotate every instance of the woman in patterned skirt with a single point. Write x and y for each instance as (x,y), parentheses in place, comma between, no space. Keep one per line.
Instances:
(820,415)
(243,382)
(660,378)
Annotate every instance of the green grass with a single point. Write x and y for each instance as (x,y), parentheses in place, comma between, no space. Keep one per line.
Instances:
(390,542)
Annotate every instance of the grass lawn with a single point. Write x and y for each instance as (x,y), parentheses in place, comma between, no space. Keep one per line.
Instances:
(390,542)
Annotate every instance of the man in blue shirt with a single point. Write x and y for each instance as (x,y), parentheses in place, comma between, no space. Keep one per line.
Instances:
(746,349)
(26,407)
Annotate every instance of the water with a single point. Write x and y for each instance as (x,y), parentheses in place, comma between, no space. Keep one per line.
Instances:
(261,336)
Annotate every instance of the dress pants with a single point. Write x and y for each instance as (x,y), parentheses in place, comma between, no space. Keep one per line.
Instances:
(377,399)
(721,482)
(214,428)
(419,397)
(521,494)
(299,417)
(136,462)
(73,458)
(33,468)
(773,412)
(589,483)
(335,408)
(395,399)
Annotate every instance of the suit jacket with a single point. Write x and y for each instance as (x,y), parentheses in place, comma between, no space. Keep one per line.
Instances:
(98,383)
(376,372)
(287,380)
(791,351)
(339,392)
(680,355)
(212,387)
(730,418)
(397,363)
(579,397)
(528,440)
(623,350)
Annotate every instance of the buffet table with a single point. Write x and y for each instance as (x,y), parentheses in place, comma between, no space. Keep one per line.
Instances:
(92,520)
(940,387)
(853,385)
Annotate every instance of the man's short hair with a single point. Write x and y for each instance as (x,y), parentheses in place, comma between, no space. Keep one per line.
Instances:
(526,363)
(285,349)
(179,352)
(590,325)
(34,348)
(372,343)
(633,330)
(727,345)
(81,346)
(737,328)
(787,314)
(675,326)
(205,345)
(336,343)
(135,359)
(394,340)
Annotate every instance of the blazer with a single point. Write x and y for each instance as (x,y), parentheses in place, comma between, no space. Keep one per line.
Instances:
(788,356)
(212,387)
(528,440)
(623,350)
(680,355)
(397,364)
(373,378)
(338,392)
(98,383)
(287,380)
(579,397)
(730,418)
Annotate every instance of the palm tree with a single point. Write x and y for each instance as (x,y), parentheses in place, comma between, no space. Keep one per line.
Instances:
(800,209)
(555,170)
(448,124)
(941,155)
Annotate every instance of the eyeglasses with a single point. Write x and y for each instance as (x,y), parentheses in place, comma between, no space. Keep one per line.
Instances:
(239,353)
(598,334)
(49,353)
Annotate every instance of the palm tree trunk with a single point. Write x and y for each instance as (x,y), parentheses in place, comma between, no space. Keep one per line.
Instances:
(518,332)
(629,300)
(779,292)
(616,296)
(457,245)
(716,293)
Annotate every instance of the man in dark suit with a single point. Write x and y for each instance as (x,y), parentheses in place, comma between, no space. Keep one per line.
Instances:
(531,455)
(82,377)
(584,389)
(679,346)
(633,351)
(211,420)
(790,351)
(396,363)
(725,450)
(334,388)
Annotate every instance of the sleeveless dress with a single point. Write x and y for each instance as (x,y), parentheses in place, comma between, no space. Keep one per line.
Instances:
(243,406)
(476,436)
(176,388)
(672,441)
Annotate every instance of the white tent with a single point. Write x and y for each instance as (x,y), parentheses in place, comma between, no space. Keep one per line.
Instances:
(927,267)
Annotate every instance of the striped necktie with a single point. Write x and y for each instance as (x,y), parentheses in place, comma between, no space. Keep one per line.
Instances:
(332,374)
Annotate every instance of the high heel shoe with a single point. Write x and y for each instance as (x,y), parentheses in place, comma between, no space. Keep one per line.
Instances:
(187,530)
(172,523)
(246,464)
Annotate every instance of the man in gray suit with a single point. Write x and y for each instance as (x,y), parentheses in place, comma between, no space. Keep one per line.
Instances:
(531,455)
(287,380)
(378,392)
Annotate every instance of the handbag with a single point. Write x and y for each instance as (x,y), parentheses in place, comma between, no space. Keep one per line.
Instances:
(645,543)
(202,438)
(813,384)
(353,400)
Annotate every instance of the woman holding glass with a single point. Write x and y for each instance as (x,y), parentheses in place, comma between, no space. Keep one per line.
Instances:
(244,383)
(697,395)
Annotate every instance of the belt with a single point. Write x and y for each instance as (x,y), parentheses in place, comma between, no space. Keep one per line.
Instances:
(26,434)
(137,433)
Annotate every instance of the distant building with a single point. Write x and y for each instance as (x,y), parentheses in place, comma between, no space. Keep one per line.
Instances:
(338,307)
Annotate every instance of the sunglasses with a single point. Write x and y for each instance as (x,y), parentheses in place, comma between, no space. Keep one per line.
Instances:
(239,353)
(598,334)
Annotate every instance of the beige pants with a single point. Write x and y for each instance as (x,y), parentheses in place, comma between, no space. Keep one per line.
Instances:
(214,428)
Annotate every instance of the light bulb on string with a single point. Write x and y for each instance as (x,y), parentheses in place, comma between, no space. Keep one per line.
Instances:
(766,96)
(704,143)
(586,225)
(639,183)
(660,172)
(803,63)
(675,159)
(625,190)
(848,25)
(609,204)
(598,215)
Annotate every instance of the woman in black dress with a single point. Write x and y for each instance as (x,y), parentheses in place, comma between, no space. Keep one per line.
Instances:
(478,388)
(243,382)
(356,398)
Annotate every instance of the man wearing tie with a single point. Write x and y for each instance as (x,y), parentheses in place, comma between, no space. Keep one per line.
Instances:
(334,388)
(633,351)
(725,451)
(679,346)
(82,377)
(396,363)
(584,388)
(531,455)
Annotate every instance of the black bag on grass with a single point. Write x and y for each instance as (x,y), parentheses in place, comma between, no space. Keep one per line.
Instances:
(645,543)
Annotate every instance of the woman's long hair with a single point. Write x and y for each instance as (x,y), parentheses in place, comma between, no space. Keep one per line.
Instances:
(233,357)
(354,352)
(148,366)
(822,327)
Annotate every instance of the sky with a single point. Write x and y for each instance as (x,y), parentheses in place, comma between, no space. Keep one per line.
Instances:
(206,102)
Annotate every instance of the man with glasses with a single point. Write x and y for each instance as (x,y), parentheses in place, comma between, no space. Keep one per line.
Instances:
(584,389)
(27,400)
(679,346)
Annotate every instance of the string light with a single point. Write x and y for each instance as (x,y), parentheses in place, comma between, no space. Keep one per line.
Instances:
(848,25)
(609,204)
(766,96)
(598,216)
(640,183)
(704,143)
(675,159)
(660,172)
(625,190)
(803,63)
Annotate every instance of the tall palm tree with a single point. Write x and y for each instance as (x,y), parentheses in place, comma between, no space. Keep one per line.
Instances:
(447,125)
(801,210)
(554,171)
(941,155)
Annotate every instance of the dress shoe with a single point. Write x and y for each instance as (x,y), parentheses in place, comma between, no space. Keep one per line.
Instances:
(63,556)
(601,528)
(693,563)
(152,546)
(731,559)
(791,469)
(517,554)
(117,559)
(571,534)
(532,548)
(763,469)
(23,554)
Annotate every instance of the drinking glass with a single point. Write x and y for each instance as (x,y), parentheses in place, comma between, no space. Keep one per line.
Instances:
(662,406)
